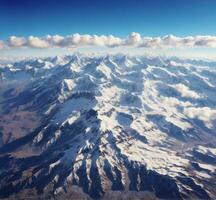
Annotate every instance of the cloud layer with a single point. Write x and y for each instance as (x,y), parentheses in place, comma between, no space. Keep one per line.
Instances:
(133,40)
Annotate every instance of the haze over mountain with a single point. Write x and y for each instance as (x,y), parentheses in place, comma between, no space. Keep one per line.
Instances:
(108,126)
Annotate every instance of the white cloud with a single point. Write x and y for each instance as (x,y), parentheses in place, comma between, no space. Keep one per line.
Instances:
(173,102)
(186,92)
(36,42)
(133,40)
(14,41)
(1,44)
(31,41)
(206,114)
(206,41)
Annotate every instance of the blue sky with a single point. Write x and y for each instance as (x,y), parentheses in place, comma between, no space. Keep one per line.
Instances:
(182,18)
(117,17)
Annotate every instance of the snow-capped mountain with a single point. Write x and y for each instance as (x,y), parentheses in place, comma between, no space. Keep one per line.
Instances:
(93,126)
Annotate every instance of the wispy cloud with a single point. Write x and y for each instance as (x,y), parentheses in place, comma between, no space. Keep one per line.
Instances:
(132,40)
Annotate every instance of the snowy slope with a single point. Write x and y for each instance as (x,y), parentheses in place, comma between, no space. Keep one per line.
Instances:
(108,123)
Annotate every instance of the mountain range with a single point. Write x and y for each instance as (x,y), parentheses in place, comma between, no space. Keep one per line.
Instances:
(101,127)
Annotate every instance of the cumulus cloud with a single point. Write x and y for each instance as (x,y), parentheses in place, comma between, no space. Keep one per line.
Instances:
(36,42)
(209,41)
(14,41)
(77,40)
(133,40)
(206,114)
(174,102)
(186,92)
